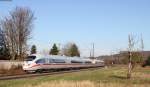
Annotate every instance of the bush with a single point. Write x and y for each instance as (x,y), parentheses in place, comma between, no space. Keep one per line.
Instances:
(146,62)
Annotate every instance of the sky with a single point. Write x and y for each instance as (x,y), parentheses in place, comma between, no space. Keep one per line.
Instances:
(106,23)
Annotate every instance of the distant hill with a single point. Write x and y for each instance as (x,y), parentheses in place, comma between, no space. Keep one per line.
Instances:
(122,54)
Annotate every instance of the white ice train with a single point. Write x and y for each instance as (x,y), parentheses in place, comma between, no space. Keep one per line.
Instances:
(38,63)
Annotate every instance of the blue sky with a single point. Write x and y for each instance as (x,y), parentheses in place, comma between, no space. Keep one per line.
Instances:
(106,23)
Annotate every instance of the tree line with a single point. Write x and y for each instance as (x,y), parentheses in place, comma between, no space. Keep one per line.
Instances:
(70,49)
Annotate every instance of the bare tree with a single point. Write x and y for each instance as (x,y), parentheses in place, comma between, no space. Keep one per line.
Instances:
(131,45)
(65,49)
(18,28)
(9,31)
(134,55)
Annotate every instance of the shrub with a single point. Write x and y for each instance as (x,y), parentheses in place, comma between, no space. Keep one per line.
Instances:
(146,62)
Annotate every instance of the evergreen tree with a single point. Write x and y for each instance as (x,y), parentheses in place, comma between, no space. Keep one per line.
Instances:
(71,49)
(33,49)
(74,51)
(4,53)
(54,50)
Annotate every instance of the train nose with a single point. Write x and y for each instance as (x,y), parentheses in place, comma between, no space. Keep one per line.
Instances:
(26,65)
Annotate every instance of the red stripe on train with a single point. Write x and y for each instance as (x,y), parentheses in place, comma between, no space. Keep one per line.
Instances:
(52,64)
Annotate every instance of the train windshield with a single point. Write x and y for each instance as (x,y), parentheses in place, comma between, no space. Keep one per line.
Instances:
(30,58)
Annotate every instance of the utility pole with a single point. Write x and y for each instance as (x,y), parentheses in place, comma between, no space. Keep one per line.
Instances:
(59,48)
(142,46)
(93,50)
(142,43)
(90,53)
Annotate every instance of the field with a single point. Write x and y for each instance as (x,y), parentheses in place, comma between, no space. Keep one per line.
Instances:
(107,77)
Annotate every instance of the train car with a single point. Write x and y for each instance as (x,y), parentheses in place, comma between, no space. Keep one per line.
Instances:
(38,63)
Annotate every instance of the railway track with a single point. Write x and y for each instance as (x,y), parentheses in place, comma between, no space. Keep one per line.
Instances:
(45,74)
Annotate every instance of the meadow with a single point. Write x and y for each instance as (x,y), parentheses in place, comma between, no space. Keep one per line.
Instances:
(107,77)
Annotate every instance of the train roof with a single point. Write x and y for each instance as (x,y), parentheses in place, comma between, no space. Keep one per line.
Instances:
(59,57)
(37,55)
(64,57)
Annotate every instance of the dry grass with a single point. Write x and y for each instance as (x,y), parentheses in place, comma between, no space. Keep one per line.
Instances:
(15,69)
(84,84)
(7,64)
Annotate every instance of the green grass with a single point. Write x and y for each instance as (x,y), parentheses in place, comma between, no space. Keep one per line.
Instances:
(106,75)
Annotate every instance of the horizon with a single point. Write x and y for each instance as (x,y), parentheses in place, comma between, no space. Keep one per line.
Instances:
(104,23)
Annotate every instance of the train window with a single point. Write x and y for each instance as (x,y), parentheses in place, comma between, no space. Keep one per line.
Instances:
(46,60)
(40,61)
(50,60)
(88,62)
(30,58)
(58,61)
(73,61)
